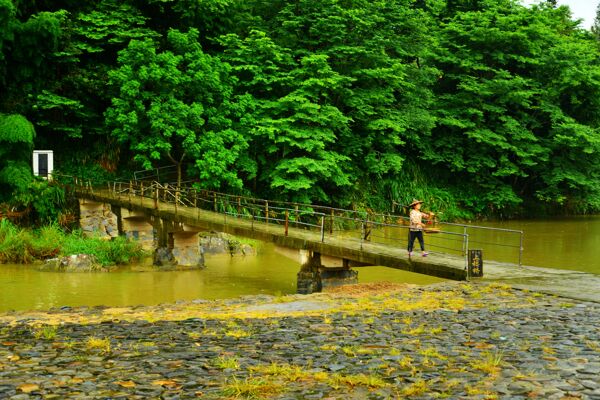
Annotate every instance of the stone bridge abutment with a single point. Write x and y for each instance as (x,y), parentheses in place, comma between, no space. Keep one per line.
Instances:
(173,243)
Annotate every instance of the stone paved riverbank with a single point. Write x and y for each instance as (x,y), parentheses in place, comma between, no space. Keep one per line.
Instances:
(453,340)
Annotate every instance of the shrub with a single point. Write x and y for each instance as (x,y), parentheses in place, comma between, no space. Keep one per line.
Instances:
(46,242)
(19,245)
(107,252)
(14,243)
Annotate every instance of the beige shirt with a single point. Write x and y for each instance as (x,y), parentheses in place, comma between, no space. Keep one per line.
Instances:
(415,220)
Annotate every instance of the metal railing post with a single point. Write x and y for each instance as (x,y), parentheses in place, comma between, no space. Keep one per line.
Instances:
(466,244)
(156,198)
(322,228)
(142,193)
(464,233)
(215,201)
(267,211)
(286,222)
(521,249)
(362,233)
(331,223)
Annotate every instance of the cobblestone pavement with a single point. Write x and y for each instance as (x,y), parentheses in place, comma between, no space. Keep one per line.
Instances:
(451,340)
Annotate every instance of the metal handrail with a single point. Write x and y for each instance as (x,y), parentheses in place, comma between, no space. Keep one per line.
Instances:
(330,216)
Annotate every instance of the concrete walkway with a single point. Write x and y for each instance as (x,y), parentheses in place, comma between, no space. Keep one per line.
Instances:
(571,284)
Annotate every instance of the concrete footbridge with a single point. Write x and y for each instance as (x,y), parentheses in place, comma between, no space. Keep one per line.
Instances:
(330,243)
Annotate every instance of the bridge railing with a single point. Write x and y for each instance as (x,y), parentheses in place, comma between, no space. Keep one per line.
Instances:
(500,243)
(363,226)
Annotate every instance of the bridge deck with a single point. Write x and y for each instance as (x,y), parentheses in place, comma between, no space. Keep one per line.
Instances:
(359,253)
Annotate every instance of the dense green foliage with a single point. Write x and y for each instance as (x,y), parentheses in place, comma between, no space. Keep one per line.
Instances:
(16,143)
(18,245)
(481,107)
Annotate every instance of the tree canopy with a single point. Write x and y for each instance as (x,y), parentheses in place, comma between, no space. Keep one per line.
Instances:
(481,107)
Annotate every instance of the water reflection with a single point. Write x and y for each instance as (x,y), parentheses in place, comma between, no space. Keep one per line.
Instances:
(569,243)
(23,287)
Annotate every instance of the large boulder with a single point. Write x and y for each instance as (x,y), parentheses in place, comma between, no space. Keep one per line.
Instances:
(222,243)
(163,257)
(187,258)
(73,263)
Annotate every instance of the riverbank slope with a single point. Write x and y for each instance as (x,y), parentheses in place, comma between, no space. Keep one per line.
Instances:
(449,340)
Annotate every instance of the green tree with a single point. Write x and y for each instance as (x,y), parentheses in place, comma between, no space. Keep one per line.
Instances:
(596,27)
(26,51)
(293,128)
(375,82)
(16,144)
(7,20)
(69,109)
(517,106)
(174,105)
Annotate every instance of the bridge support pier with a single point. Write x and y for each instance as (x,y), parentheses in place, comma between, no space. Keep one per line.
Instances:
(177,245)
(137,226)
(186,249)
(97,219)
(316,277)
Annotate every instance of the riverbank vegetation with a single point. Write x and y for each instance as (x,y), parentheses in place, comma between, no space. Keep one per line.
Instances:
(481,108)
(20,245)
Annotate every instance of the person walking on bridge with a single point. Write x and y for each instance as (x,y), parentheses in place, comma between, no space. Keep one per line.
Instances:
(415,230)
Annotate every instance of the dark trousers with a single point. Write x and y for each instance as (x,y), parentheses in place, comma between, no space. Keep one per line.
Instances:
(412,235)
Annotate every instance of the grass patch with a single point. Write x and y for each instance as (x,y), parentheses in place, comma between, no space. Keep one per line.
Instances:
(47,332)
(329,347)
(417,388)
(489,364)
(226,363)
(237,333)
(108,252)
(595,346)
(23,246)
(94,343)
(194,335)
(370,381)
(14,243)
(432,352)
(290,373)
(251,388)
(419,330)
(293,373)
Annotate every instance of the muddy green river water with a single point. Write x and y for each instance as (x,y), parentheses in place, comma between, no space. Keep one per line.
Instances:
(569,243)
